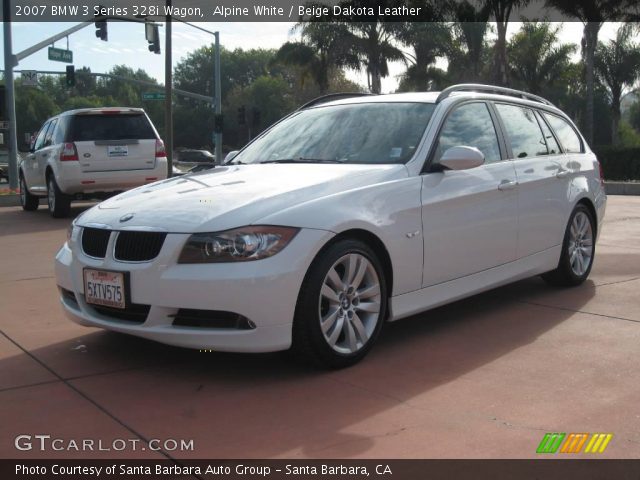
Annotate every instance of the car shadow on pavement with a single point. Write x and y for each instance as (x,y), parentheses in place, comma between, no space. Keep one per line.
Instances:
(15,221)
(266,405)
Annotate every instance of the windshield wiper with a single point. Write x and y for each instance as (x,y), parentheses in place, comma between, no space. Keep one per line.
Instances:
(302,160)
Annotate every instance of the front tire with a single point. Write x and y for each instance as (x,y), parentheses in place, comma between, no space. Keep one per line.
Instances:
(578,250)
(341,306)
(59,203)
(28,201)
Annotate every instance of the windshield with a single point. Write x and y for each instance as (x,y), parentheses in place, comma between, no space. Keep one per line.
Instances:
(354,133)
(110,127)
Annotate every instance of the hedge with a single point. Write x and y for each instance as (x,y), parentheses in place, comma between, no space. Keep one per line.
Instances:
(619,163)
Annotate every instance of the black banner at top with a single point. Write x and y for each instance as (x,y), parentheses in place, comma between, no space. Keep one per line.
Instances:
(315,10)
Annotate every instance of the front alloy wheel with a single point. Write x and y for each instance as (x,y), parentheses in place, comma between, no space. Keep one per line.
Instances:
(341,306)
(349,304)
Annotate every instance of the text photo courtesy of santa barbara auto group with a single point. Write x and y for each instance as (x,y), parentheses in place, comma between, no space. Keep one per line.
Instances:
(323,240)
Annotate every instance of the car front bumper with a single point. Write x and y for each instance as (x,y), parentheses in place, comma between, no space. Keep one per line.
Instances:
(263,291)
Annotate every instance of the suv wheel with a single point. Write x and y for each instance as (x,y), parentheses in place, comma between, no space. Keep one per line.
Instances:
(341,306)
(578,250)
(59,203)
(28,201)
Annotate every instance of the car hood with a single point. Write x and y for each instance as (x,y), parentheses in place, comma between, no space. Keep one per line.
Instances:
(231,196)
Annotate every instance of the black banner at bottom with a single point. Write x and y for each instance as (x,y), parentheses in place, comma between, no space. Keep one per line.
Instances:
(543,469)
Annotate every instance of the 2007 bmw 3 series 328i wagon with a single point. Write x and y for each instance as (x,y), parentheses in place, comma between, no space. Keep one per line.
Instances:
(345,214)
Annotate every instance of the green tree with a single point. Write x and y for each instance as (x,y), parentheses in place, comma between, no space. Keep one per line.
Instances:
(592,13)
(501,11)
(617,64)
(538,60)
(324,49)
(469,49)
(33,107)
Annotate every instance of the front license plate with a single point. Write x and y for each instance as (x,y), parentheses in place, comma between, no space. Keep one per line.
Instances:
(104,288)
(118,150)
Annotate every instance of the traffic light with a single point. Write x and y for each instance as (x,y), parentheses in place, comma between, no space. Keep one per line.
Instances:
(70,79)
(2,100)
(152,36)
(242,115)
(255,117)
(101,30)
(218,123)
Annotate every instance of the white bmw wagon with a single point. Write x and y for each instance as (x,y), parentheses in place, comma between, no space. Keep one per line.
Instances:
(348,213)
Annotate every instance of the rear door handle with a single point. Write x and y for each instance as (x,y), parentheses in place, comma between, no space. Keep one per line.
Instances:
(562,173)
(507,185)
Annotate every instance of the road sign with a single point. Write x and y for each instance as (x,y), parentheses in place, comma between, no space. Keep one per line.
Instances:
(153,96)
(29,78)
(60,55)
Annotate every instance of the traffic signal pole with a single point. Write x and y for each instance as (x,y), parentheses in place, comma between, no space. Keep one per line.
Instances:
(168,99)
(10,62)
(218,98)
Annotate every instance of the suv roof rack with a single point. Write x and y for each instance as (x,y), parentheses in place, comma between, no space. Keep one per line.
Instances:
(477,87)
(333,96)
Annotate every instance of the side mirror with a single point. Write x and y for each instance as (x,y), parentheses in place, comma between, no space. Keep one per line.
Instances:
(462,158)
(231,155)
(32,144)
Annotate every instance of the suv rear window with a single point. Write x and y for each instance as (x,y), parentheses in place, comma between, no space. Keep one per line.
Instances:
(110,127)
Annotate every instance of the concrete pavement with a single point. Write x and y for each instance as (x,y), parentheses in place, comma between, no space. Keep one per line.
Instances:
(486,377)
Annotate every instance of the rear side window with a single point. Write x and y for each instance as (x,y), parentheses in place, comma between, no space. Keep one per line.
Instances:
(567,135)
(48,138)
(552,145)
(523,131)
(39,143)
(110,127)
(469,125)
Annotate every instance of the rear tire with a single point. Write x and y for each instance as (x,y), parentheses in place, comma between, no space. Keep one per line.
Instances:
(341,306)
(578,250)
(28,201)
(59,203)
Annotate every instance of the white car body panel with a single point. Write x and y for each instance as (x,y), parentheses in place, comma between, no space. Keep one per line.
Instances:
(448,234)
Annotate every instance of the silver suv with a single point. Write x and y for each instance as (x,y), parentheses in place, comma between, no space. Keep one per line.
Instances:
(90,153)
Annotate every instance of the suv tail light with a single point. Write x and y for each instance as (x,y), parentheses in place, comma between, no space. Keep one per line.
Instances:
(69,153)
(160,151)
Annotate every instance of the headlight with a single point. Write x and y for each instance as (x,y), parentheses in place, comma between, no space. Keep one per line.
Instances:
(237,245)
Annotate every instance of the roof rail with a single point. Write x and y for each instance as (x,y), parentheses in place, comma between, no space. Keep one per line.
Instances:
(477,87)
(333,96)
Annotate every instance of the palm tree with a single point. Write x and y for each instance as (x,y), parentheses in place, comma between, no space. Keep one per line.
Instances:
(373,42)
(468,47)
(324,47)
(592,13)
(617,64)
(538,61)
(501,11)
(429,40)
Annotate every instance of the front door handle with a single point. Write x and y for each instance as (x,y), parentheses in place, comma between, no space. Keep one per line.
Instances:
(562,173)
(507,185)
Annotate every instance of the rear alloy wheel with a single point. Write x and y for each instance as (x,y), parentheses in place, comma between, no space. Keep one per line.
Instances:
(29,202)
(59,203)
(578,250)
(341,307)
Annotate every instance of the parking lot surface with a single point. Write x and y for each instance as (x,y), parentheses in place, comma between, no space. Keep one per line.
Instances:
(486,377)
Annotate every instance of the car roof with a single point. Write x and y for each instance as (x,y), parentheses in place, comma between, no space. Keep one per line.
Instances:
(100,110)
(432,97)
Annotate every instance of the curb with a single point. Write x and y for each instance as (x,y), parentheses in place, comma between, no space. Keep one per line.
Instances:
(622,188)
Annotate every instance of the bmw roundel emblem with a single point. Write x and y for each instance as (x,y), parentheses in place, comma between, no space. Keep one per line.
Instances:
(126,217)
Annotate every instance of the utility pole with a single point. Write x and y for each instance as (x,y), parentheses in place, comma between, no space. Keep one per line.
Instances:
(218,98)
(168,83)
(10,62)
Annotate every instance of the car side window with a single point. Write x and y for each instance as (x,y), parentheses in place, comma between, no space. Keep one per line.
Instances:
(469,125)
(40,138)
(48,137)
(58,134)
(523,131)
(552,144)
(567,135)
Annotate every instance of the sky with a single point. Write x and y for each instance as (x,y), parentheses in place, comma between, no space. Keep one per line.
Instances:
(127,44)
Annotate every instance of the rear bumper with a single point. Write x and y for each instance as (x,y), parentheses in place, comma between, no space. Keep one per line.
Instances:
(72,180)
